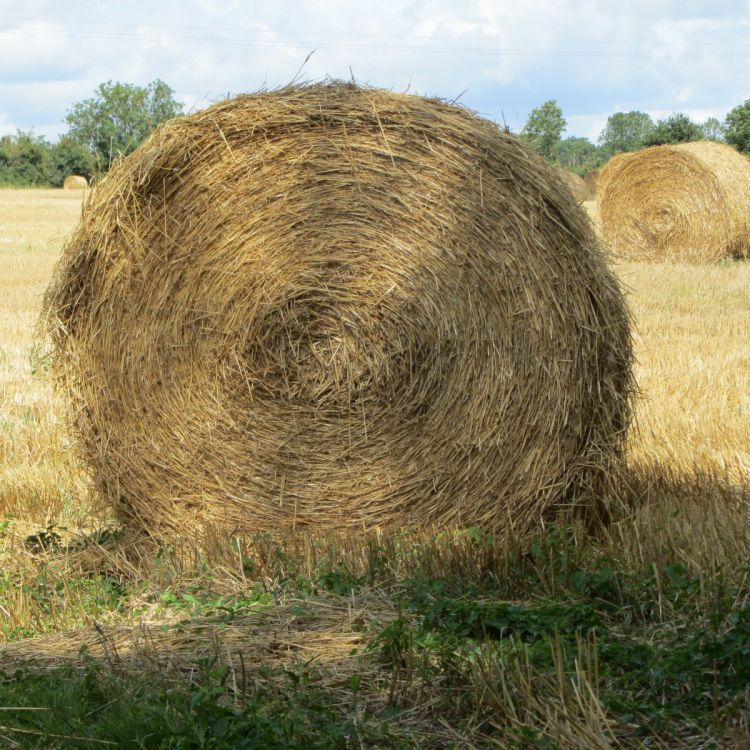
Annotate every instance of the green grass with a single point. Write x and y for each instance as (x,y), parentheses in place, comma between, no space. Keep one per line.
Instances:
(559,645)
(91,707)
(671,650)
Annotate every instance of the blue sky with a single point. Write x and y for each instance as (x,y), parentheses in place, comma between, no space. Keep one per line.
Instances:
(501,57)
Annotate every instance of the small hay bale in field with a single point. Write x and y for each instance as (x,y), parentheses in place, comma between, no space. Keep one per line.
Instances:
(576,184)
(684,203)
(338,307)
(591,179)
(75,182)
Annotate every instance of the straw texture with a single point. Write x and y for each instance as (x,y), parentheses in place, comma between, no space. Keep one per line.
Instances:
(591,180)
(576,185)
(338,307)
(683,203)
(75,182)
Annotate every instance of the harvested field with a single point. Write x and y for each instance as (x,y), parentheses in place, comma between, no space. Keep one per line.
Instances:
(690,322)
(34,460)
(397,641)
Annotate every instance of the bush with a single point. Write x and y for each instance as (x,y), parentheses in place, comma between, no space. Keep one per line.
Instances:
(677,128)
(69,157)
(738,127)
(625,131)
(579,155)
(27,160)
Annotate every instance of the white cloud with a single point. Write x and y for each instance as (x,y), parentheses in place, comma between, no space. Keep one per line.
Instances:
(697,115)
(6,126)
(652,55)
(591,125)
(586,126)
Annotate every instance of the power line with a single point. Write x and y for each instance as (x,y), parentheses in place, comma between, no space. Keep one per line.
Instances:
(500,48)
(412,37)
(655,53)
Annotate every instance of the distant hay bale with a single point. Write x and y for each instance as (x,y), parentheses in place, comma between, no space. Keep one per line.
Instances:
(591,179)
(338,307)
(687,203)
(75,182)
(576,184)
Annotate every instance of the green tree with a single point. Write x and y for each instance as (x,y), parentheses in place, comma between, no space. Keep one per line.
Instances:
(713,129)
(543,129)
(579,155)
(29,160)
(120,117)
(677,128)
(625,131)
(71,157)
(737,125)
(25,160)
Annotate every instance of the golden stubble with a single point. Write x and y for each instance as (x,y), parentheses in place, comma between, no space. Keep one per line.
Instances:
(688,450)
(40,481)
(692,348)
(693,366)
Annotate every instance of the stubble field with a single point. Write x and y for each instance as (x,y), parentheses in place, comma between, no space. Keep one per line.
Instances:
(573,639)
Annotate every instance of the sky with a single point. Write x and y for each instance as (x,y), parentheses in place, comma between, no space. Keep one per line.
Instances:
(501,58)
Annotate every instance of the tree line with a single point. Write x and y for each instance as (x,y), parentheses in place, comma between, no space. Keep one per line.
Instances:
(114,122)
(627,131)
(119,117)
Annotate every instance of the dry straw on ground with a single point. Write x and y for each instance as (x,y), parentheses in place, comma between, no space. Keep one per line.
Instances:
(331,306)
(576,184)
(75,182)
(689,202)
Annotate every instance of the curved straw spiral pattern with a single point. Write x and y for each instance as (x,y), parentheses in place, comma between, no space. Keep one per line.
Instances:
(684,203)
(338,307)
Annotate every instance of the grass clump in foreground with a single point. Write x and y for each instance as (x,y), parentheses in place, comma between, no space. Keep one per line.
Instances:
(634,638)
(590,656)
(455,641)
(91,706)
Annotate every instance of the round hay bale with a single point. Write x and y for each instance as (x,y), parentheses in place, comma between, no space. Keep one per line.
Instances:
(683,203)
(576,184)
(611,166)
(75,182)
(338,307)
(591,179)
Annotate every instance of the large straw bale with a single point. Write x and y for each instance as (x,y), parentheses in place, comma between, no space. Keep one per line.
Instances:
(611,167)
(576,185)
(75,182)
(331,306)
(689,202)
